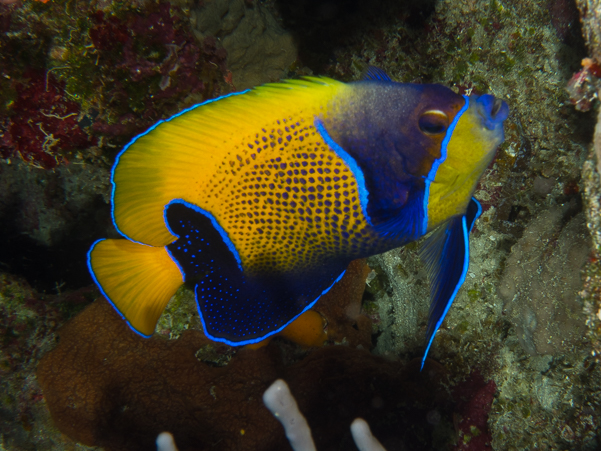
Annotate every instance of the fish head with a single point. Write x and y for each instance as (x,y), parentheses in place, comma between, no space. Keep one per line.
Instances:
(421,148)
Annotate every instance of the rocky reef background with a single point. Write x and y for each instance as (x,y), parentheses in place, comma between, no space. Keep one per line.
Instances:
(515,365)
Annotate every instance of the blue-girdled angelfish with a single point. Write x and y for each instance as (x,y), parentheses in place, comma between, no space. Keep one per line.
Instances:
(260,199)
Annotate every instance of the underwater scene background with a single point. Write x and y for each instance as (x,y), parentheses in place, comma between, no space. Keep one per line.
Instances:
(515,366)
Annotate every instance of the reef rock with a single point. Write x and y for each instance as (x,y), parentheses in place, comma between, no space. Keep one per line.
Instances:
(541,281)
(258,49)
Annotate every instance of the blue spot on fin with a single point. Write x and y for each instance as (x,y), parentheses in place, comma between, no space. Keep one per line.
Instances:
(446,256)
(202,245)
(375,73)
(236,307)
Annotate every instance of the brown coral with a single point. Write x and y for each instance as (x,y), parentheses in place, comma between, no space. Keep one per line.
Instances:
(106,386)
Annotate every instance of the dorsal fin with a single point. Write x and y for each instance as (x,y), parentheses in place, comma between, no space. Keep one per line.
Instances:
(175,158)
(375,73)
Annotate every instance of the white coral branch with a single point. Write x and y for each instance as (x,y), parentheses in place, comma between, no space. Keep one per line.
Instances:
(281,403)
(283,406)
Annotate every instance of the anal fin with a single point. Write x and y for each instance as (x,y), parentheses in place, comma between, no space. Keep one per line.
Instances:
(446,256)
(236,306)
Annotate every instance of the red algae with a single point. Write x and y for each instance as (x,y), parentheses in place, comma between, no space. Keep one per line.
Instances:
(87,81)
(46,127)
(152,63)
(474,398)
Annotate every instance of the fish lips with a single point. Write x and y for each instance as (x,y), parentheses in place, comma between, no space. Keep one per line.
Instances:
(493,111)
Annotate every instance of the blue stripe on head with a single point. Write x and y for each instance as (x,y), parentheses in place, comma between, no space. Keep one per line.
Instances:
(106,296)
(436,164)
(351,163)
(263,337)
(224,236)
(128,145)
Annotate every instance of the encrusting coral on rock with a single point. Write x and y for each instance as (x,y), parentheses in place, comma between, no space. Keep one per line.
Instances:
(541,281)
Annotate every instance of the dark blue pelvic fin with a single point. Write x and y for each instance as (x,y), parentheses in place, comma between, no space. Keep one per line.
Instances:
(446,256)
(234,307)
(375,73)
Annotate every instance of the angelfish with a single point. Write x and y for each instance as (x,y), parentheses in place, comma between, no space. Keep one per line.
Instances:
(260,199)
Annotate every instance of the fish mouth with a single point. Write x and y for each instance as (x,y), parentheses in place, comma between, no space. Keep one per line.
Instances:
(493,111)
(496,107)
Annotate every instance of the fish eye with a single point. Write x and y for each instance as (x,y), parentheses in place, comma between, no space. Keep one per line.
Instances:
(433,122)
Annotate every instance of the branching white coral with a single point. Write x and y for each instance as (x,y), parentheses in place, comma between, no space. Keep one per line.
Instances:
(282,405)
(363,438)
(280,402)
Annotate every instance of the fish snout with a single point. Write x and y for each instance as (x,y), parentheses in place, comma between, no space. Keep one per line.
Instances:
(492,110)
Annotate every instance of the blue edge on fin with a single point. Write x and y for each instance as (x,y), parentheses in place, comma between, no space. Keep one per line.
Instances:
(376,74)
(446,255)
(224,236)
(113,201)
(231,247)
(263,337)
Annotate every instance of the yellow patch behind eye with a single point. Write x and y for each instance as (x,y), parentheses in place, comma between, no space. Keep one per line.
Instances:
(469,151)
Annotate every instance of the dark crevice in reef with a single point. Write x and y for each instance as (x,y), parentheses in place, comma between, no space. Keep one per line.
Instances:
(57,267)
(322,26)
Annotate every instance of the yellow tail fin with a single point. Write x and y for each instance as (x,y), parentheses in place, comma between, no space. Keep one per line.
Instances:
(138,280)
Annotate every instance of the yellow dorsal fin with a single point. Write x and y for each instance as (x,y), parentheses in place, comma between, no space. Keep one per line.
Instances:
(174,159)
(139,280)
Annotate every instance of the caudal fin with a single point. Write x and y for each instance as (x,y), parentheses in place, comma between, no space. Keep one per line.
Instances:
(138,280)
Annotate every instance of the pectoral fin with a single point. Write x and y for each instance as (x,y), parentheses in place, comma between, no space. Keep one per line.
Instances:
(446,256)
